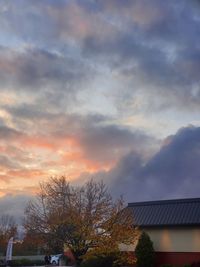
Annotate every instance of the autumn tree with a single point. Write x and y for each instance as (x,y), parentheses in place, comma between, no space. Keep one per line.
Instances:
(31,244)
(79,217)
(8,228)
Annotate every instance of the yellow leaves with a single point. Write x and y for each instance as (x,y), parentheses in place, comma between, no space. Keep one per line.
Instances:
(86,219)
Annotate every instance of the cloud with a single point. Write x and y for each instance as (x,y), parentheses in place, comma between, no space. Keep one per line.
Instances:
(135,62)
(8,133)
(146,47)
(60,143)
(76,21)
(35,69)
(153,56)
(108,143)
(14,205)
(37,28)
(99,142)
(144,14)
(171,173)
(6,162)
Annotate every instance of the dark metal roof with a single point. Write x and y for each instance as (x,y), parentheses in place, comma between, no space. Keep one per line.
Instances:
(175,212)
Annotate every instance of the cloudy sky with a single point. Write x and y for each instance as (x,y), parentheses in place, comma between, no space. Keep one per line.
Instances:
(108,89)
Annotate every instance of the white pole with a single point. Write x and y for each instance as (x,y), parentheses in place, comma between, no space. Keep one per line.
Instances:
(9,250)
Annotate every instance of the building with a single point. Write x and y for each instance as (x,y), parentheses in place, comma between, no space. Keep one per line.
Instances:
(173,226)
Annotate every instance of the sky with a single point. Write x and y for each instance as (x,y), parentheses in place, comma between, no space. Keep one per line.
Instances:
(101,89)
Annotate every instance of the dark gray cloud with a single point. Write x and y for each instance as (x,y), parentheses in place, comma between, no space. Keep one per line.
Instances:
(108,143)
(172,172)
(35,69)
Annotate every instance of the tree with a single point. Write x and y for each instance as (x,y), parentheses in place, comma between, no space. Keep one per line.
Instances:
(79,217)
(144,251)
(31,244)
(8,228)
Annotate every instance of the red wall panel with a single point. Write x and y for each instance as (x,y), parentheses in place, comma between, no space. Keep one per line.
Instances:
(177,258)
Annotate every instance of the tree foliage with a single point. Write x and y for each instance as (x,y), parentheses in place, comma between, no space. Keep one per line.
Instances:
(30,245)
(144,251)
(79,217)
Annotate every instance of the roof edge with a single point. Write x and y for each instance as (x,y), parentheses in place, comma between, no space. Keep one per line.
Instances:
(163,202)
(171,225)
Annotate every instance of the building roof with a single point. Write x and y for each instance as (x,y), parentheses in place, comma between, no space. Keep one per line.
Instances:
(177,212)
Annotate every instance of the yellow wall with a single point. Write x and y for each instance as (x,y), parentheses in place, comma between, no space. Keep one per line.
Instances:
(172,240)
(176,240)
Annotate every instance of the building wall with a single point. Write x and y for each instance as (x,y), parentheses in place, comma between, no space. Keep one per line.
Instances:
(176,258)
(176,246)
(179,239)
(175,239)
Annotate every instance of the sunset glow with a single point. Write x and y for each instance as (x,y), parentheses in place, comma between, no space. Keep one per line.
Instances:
(100,89)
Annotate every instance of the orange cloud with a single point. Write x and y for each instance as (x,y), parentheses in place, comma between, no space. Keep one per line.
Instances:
(49,142)
(84,148)
(26,173)
(39,142)
(80,158)
(28,190)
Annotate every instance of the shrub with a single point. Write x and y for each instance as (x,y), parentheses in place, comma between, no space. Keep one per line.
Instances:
(144,251)
(26,262)
(20,262)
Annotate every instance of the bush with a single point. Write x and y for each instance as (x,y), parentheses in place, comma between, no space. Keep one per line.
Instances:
(144,251)
(26,262)
(37,262)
